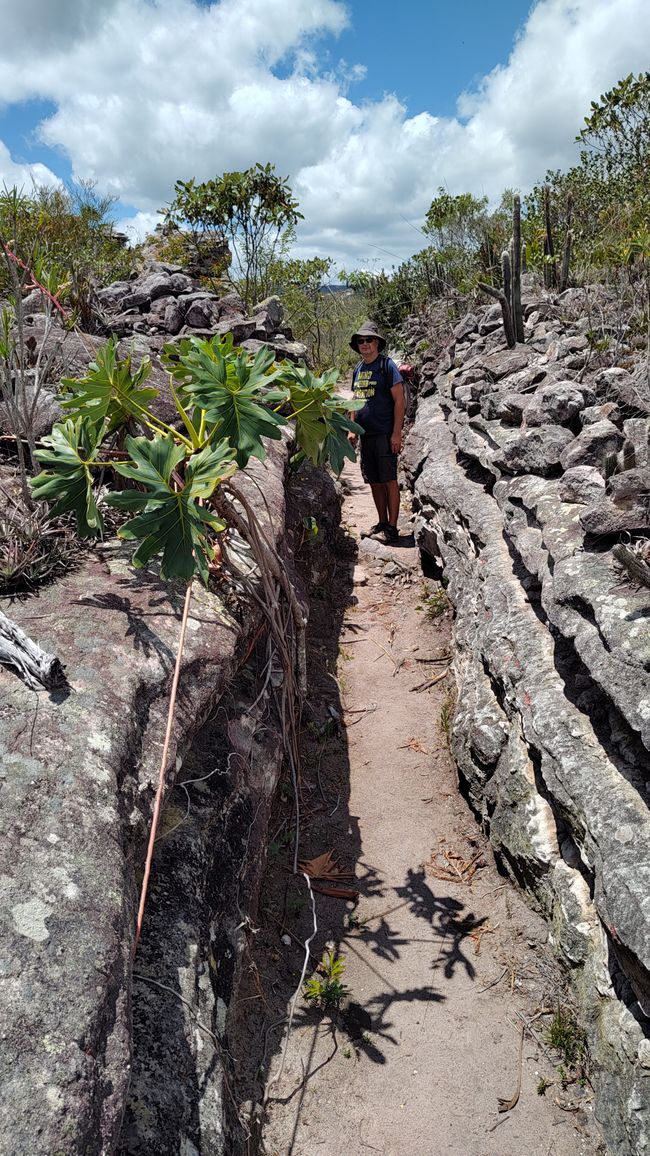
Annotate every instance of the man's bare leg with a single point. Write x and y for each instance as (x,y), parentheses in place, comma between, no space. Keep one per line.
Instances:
(380,497)
(392,498)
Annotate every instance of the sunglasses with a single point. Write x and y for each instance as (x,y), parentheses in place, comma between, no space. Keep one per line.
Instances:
(366,340)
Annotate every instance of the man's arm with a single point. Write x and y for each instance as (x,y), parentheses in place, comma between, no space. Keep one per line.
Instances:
(397,392)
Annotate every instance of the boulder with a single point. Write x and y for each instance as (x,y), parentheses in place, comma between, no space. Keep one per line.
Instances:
(466,327)
(559,402)
(592,445)
(535,451)
(508,407)
(625,507)
(582,484)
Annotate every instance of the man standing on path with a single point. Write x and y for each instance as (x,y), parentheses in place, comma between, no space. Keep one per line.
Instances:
(377,381)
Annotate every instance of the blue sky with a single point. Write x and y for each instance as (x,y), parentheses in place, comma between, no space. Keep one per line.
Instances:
(367,106)
(429,53)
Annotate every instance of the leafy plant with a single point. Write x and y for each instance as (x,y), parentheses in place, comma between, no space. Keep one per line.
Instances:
(34,548)
(566,1036)
(325,987)
(227,406)
(110,392)
(435,603)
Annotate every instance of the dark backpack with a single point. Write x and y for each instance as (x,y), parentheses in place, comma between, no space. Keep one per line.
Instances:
(406,373)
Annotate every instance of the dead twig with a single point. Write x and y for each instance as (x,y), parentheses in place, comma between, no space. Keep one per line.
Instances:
(430,682)
(455,868)
(494,982)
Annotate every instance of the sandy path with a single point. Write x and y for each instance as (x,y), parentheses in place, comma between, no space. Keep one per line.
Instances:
(438,971)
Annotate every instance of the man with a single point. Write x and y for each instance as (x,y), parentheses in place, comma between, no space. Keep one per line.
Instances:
(378,382)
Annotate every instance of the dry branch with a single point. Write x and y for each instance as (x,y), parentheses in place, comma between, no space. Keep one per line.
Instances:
(35,666)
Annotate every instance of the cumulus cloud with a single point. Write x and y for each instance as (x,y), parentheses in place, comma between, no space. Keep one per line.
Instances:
(147,92)
(23,177)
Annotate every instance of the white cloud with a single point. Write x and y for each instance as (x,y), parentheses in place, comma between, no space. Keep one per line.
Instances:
(24,177)
(150,91)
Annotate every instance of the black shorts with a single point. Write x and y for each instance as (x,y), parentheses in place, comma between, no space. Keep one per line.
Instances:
(378,463)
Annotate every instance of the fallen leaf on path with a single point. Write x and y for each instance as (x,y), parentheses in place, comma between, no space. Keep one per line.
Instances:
(336,892)
(324,866)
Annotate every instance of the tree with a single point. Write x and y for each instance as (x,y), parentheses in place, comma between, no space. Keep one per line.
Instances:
(605,198)
(467,240)
(617,139)
(319,316)
(244,215)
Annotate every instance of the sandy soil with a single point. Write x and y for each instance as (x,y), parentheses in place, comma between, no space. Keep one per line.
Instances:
(448,970)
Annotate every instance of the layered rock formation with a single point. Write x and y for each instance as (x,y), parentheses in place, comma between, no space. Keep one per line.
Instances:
(161,305)
(100,1053)
(527,466)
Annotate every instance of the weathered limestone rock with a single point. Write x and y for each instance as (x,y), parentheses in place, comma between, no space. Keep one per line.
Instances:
(551,731)
(535,451)
(625,507)
(592,445)
(583,484)
(77,800)
(506,407)
(560,402)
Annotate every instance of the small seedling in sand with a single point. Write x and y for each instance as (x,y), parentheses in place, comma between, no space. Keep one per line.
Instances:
(436,603)
(446,716)
(325,988)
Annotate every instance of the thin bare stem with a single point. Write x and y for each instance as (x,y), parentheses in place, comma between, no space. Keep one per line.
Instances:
(276,1079)
(163,765)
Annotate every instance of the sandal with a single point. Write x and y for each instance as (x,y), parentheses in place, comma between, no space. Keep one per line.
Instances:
(391,534)
(378,528)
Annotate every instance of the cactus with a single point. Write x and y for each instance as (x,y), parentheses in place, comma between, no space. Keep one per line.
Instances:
(524,258)
(517,315)
(506,270)
(550,271)
(610,464)
(505,309)
(629,456)
(566,260)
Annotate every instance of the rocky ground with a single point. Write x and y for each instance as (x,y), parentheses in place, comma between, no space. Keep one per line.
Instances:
(448,970)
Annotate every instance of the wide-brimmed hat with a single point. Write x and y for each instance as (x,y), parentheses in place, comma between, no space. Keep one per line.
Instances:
(368,329)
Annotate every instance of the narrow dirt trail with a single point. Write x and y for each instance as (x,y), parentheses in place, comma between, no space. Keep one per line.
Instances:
(441,955)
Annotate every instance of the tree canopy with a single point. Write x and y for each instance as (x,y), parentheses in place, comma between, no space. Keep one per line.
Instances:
(247,213)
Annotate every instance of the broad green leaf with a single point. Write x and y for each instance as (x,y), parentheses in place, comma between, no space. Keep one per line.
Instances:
(110,391)
(155,460)
(172,522)
(66,479)
(321,426)
(230,387)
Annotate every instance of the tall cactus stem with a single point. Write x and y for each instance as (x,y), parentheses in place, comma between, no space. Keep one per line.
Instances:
(517,314)
(549,250)
(506,271)
(629,456)
(566,260)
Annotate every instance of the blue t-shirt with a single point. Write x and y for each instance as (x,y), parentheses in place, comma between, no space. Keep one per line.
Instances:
(373,383)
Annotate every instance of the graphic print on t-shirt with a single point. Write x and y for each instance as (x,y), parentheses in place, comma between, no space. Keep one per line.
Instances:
(364,385)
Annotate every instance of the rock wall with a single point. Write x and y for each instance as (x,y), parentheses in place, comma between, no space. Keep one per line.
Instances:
(101,1053)
(511,460)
